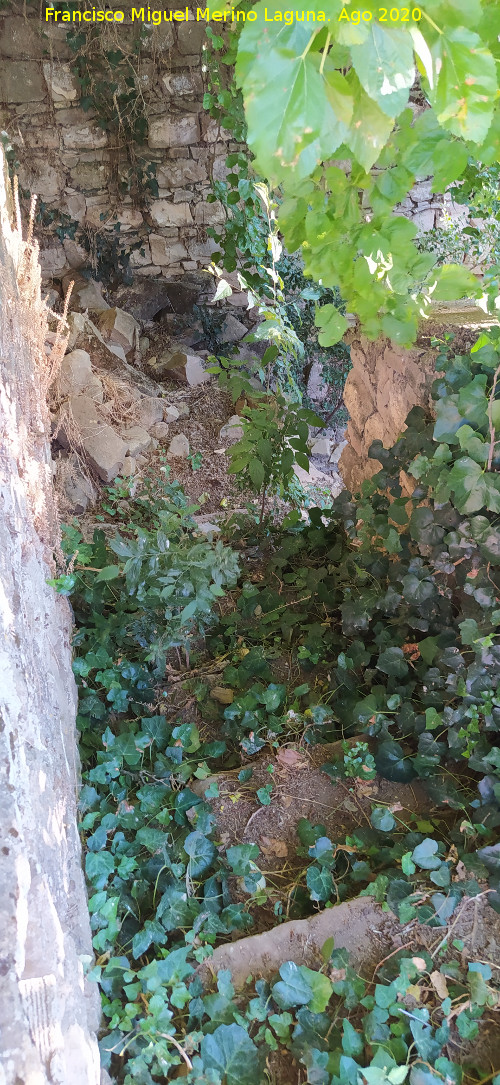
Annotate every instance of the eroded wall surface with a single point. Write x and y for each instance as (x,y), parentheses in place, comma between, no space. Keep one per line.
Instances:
(48,1012)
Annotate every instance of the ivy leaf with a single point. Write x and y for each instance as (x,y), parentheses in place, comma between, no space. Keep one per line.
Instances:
(384,66)
(293,989)
(99,865)
(393,663)
(352,1042)
(241,858)
(421,1075)
(201,853)
(392,763)
(487,537)
(467,1028)
(478,973)
(425,855)
(273,696)
(320,883)
(427,1046)
(382,819)
(321,986)
(151,932)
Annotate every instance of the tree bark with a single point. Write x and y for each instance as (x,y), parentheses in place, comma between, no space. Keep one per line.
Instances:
(49,1013)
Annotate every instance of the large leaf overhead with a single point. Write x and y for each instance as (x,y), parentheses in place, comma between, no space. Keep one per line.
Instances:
(466,84)
(384,66)
(328,87)
(293,121)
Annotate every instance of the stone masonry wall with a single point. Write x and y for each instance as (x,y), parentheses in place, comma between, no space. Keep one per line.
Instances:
(386,381)
(75,166)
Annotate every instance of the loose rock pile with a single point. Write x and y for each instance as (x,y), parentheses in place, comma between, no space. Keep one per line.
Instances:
(112,402)
(108,414)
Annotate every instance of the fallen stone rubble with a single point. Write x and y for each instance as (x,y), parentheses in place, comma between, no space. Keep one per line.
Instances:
(110,405)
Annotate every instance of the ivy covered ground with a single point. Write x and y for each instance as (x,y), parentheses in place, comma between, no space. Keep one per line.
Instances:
(369,630)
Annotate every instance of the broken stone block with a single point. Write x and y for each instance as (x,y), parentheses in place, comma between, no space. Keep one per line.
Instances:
(144,298)
(233,330)
(159,430)
(77,488)
(21,81)
(53,259)
(171,413)
(61,82)
(166,251)
(95,389)
(178,448)
(137,439)
(75,373)
(75,254)
(119,329)
(76,325)
(42,179)
(165,213)
(232,431)
(148,411)
(321,447)
(129,467)
(86,293)
(83,137)
(178,132)
(337,452)
(206,527)
(87,431)
(181,366)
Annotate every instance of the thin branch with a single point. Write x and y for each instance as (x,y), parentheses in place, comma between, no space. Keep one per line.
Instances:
(182,1053)
(490,418)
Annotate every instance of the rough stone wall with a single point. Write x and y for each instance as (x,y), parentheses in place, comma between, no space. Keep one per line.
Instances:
(429,211)
(48,1012)
(75,166)
(386,381)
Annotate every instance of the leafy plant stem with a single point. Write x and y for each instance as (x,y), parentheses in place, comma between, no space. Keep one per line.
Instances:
(325,53)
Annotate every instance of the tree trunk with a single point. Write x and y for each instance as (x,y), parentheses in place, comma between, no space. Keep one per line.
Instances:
(48,1011)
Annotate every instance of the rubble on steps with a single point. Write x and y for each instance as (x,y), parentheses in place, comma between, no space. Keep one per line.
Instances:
(73,483)
(231,431)
(178,448)
(86,294)
(179,365)
(76,376)
(80,426)
(137,439)
(119,329)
